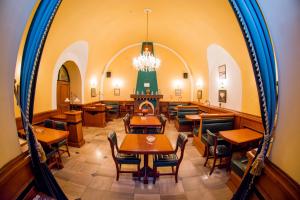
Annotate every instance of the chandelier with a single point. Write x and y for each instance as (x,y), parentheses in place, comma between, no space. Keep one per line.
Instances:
(146,61)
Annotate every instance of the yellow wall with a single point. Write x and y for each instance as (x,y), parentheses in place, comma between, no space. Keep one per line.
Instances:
(188,28)
(171,69)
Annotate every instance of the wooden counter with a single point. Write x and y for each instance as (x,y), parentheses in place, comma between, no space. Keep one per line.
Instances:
(74,122)
(94,115)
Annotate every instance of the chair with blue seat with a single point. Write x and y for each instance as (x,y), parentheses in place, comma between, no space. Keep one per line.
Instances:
(121,158)
(215,150)
(161,129)
(128,129)
(170,160)
(62,145)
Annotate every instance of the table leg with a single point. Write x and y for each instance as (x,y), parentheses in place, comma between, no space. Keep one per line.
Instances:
(146,168)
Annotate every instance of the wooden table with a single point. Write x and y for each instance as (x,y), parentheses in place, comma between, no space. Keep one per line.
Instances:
(240,136)
(145,122)
(138,144)
(47,136)
(193,118)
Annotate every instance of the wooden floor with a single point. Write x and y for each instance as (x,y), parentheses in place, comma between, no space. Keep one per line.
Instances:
(90,173)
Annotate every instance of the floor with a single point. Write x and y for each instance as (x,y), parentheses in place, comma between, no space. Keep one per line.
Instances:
(90,173)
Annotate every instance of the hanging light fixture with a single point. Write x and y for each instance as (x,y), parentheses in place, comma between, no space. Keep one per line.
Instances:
(146,61)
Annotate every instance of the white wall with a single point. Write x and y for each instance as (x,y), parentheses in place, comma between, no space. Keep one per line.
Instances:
(216,56)
(13,17)
(283,19)
(78,53)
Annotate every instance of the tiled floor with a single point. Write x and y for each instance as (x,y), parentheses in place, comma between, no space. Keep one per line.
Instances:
(90,173)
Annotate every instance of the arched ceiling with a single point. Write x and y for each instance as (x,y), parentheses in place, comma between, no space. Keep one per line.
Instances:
(186,26)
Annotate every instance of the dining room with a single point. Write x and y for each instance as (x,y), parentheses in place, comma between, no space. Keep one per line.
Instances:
(147,100)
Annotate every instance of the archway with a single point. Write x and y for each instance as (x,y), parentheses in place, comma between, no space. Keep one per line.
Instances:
(69,86)
(77,52)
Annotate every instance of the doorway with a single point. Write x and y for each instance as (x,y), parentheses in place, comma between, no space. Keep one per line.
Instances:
(63,90)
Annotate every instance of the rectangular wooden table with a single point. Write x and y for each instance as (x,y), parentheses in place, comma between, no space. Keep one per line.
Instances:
(47,136)
(145,122)
(240,136)
(138,144)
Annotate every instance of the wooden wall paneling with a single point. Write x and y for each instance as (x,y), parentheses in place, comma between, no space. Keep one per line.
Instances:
(37,118)
(15,177)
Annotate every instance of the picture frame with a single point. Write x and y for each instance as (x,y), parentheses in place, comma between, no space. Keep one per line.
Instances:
(199,94)
(222,96)
(93,92)
(222,71)
(117,92)
(177,92)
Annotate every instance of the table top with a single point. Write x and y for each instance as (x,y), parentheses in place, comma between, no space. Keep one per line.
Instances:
(137,143)
(47,135)
(145,121)
(240,136)
(193,117)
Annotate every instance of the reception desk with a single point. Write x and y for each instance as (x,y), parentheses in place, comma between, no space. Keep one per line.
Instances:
(74,122)
(94,115)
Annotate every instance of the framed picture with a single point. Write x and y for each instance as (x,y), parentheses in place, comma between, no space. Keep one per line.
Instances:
(222,72)
(117,92)
(199,94)
(93,92)
(177,92)
(222,96)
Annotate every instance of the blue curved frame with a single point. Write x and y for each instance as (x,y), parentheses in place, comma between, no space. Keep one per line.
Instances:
(261,52)
(30,63)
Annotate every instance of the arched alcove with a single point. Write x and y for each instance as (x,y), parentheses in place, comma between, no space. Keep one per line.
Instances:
(167,70)
(76,55)
(217,56)
(172,68)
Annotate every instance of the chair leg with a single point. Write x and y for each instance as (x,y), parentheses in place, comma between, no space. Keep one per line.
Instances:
(139,172)
(207,155)
(176,174)
(213,167)
(67,147)
(154,174)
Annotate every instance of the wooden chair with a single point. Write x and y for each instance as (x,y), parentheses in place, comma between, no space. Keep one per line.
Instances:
(126,121)
(62,146)
(52,156)
(215,150)
(120,158)
(170,160)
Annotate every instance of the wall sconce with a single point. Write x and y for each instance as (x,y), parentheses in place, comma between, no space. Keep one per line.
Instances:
(222,83)
(93,83)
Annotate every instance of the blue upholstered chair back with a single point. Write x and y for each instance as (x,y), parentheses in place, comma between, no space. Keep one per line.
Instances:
(48,123)
(112,138)
(181,141)
(211,137)
(60,125)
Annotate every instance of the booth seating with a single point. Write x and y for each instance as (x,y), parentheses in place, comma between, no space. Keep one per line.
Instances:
(114,110)
(172,111)
(214,123)
(183,124)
